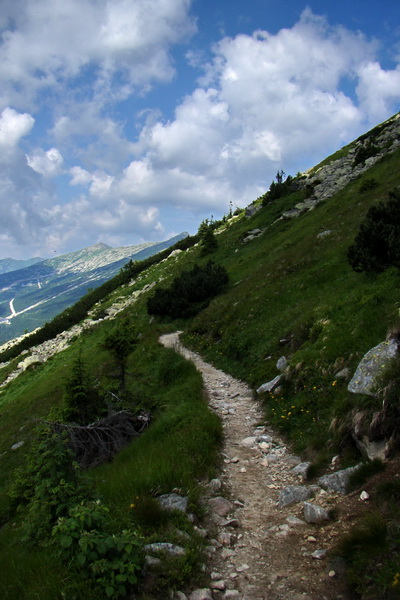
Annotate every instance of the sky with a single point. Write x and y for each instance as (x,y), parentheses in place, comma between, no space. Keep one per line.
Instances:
(123,121)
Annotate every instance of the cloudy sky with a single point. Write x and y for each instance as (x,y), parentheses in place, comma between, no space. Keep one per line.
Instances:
(125,121)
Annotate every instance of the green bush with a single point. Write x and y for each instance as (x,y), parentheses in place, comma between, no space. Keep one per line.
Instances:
(377,244)
(111,560)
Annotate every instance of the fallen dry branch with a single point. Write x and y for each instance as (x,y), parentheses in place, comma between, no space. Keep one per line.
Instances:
(100,441)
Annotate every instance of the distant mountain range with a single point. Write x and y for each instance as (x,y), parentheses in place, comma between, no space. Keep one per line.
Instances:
(34,291)
(12,264)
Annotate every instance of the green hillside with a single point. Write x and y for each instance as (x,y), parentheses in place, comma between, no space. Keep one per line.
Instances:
(291,292)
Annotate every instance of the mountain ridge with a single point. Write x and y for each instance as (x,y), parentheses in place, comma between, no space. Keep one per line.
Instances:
(34,294)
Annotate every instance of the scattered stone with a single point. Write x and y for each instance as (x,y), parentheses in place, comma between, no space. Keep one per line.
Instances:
(17,445)
(270,385)
(282,363)
(220,506)
(301,470)
(234,523)
(203,594)
(319,554)
(173,502)
(364,496)
(249,441)
(218,585)
(227,553)
(295,521)
(315,514)
(332,573)
(231,594)
(267,439)
(242,568)
(166,547)
(180,596)
(338,481)
(151,561)
(215,485)
(293,494)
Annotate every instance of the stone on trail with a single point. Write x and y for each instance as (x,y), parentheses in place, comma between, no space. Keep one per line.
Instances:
(220,506)
(338,481)
(315,514)
(301,470)
(293,494)
(203,594)
(249,441)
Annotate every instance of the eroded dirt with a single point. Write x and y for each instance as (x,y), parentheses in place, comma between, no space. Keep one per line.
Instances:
(264,555)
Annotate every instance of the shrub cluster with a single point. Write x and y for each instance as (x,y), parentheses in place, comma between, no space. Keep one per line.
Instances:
(376,245)
(188,293)
(280,187)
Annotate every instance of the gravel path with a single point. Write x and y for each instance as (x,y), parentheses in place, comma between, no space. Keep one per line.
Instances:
(259,551)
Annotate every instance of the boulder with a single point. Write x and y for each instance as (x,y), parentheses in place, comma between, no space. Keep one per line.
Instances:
(173,502)
(270,385)
(338,481)
(295,493)
(315,514)
(281,363)
(371,367)
(220,506)
(301,470)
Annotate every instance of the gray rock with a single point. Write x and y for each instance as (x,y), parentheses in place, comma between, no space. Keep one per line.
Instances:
(270,385)
(249,441)
(281,363)
(338,481)
(295,521)
(215,485)
(267,439)
(220,506)
(343,374)
(301,470)
(319,554)
(371,367)
(151,561)
(293,494)
(165,547)
(201,594)
(173,502)
(17,445)
(315,514)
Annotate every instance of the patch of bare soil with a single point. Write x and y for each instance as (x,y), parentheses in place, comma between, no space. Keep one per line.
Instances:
(260,551)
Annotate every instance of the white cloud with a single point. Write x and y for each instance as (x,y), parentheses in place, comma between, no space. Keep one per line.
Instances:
(48,164)
(47,42)
(13,126)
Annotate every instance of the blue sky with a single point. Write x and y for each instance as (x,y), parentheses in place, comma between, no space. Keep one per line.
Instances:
(132,120)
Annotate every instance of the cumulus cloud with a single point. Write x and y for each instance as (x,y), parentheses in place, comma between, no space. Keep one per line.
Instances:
(13,126)
(46,41)
(48,164)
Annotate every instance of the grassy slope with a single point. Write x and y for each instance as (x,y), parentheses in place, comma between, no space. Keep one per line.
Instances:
(287,284)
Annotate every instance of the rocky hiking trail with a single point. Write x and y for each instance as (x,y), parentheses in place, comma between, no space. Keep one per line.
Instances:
(260,550)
